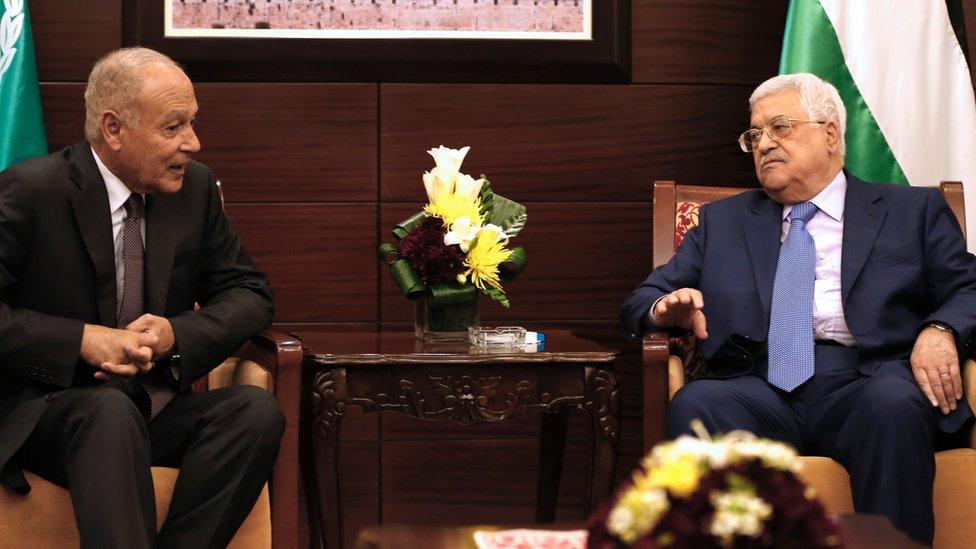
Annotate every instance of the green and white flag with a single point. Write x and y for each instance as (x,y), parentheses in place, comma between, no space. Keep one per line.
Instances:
(911,113)
(21,122)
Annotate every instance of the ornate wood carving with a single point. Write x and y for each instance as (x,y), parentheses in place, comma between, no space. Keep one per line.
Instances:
(328,401)
(605,402)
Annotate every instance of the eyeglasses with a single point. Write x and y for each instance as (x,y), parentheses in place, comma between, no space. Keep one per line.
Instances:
(778,129)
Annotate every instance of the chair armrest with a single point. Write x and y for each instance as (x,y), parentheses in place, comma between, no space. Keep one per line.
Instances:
(281,355)
(655,373)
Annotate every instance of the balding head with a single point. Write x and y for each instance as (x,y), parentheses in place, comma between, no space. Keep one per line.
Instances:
(116,83)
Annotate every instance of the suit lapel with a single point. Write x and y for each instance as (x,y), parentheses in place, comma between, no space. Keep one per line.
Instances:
(864,212)
(763,230)
(91,209)
(162,234)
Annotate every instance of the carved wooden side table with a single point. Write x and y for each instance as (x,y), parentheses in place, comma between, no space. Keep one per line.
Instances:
(390,372)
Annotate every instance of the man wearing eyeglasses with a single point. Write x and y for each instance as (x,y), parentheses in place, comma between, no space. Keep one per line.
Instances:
(830,311)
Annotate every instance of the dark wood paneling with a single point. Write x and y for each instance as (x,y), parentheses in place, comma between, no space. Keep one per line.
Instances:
(583,261)
(592,143)
(70,35)
(319,258)
(290,142)
(64,114)
(707,41)
(359,466)
(459,482)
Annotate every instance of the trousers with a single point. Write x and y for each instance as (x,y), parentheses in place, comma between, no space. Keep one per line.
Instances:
(880,427)
(95,442)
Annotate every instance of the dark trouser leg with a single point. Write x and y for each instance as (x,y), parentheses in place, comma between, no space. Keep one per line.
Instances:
(225,443)
(723,405)
(884,430)
(94,441)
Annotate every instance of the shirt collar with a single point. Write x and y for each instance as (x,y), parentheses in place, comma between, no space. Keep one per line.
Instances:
(118,193)
(830,200)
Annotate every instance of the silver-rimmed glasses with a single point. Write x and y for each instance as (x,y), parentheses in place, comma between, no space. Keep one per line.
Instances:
(778,129)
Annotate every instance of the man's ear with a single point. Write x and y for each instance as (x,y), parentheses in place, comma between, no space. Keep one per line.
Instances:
(111,126)
(833,137)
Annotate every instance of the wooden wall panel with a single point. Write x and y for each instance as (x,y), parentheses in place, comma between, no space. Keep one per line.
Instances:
(290,142)
(459,482)
(706,41)
(64,114)
(318,257)
(359,465)
(554,143)
(70,35)
(583,260)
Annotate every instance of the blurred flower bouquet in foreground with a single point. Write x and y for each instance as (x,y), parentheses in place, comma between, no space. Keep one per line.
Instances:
(731,491)
(455,248)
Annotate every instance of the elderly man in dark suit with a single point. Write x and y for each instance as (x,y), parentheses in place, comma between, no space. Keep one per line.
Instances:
(105,247)
(831,310)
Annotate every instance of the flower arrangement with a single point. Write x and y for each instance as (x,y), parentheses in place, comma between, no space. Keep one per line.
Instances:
(457,245)
(731,491)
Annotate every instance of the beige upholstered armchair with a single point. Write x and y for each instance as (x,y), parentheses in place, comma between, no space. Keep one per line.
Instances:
(668,363)
(44,518)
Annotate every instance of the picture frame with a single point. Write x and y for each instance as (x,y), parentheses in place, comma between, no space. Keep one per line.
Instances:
(603,58)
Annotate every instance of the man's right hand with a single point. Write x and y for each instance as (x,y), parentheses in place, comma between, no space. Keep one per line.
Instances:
(117,352)
(682,308)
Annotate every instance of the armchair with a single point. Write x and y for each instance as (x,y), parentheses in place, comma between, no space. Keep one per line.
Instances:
(668,362)
(44,518)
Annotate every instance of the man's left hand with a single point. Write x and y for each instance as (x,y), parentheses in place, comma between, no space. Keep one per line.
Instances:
(935,363)
(159,327)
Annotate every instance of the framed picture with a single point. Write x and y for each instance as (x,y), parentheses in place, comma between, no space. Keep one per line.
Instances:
(388,40)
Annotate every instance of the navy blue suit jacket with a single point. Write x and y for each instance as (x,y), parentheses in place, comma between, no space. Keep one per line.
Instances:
(903,263)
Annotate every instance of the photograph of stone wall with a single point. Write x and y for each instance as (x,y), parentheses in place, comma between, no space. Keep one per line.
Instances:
(528,16)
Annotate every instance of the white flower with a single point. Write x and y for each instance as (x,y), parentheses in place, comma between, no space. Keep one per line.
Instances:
(448,160)
(738,514)
(462,232)
(467,186)
(637,513)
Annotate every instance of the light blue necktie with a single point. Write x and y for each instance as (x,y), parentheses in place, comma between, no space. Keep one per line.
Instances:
(791,316)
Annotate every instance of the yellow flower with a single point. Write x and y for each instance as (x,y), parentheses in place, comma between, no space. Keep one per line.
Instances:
(679,476)
(451,206)
(487,252)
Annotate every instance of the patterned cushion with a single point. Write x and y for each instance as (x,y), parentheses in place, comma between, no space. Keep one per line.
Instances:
(685,219)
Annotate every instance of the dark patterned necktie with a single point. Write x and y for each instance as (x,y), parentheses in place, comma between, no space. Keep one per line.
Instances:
(133,297)
(134,280)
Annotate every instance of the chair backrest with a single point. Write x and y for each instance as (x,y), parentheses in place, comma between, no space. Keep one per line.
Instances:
(676,211)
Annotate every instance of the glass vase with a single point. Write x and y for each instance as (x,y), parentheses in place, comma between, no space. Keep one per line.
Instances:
(445,322)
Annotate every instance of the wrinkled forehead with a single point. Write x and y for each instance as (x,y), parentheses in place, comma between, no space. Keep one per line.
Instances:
(782,103)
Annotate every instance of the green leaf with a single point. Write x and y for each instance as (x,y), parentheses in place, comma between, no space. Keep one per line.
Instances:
(497,295)
(508,214)
(404,227)
(487,197)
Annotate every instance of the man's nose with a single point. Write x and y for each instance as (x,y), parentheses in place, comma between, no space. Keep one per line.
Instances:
(766,143)
(191,143)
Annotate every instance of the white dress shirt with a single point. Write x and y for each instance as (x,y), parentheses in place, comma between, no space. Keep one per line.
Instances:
(118,193)
(827,229)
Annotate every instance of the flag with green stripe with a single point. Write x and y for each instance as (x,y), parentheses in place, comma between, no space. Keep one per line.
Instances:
(21,122)
(903,76)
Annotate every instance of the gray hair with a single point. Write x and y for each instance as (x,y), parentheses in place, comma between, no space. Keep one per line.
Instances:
(115,83)
(818,99)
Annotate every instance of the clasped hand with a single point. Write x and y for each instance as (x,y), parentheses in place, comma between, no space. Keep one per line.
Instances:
(126,352)
(682,307)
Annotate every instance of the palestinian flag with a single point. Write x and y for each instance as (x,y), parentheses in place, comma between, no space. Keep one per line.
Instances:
(901,69)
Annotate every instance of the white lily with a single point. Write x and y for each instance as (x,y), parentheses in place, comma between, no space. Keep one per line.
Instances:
(468,187)
(448,160)
(462,232)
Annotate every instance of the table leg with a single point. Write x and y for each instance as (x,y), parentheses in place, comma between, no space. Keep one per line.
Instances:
(551,449)
(603,404)
(322,479)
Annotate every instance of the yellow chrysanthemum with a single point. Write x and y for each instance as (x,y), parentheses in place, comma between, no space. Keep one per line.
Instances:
(680,476)
(451,206)
(486,254)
